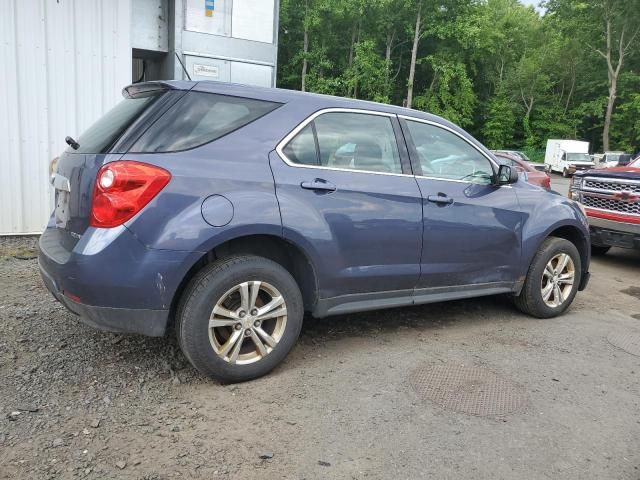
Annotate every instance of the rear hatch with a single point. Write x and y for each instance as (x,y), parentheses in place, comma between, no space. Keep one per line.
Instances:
(105,141)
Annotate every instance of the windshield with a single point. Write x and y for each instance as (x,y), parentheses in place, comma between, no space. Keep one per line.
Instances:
(578,157)
(636,162)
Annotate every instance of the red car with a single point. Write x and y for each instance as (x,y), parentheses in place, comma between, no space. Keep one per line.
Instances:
(533,176)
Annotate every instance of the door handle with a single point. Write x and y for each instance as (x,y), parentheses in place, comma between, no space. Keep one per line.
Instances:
(319,184)
(441,199)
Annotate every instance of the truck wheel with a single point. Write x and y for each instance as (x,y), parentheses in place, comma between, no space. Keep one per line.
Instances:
(597,250)
(552,281)
(239,318)
(565,173)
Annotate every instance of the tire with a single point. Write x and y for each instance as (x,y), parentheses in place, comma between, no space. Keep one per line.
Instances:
(530,300)
(565,173)
(598,250)
(211,286)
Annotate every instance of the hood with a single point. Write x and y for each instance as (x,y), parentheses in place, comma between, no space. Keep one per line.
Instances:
(632,173)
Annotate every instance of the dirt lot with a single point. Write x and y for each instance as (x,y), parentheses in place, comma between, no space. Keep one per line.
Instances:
(361,396)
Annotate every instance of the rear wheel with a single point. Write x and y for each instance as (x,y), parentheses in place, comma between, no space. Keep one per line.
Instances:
(597,250)
(239,318)
(552,281)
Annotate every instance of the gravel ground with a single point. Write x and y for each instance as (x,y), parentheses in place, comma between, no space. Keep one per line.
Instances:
(347,402)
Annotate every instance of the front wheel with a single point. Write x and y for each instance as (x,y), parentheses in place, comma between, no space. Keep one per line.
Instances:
(565,173)
(553,279)
(239,318)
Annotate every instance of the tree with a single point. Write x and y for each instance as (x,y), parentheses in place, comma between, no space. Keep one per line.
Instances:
(414,53)
(620,35)
(509,75)
(450,93)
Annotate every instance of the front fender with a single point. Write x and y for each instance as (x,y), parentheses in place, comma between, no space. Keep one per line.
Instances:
(546,213)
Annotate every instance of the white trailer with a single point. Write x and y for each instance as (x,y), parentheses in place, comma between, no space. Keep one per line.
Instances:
(567,156)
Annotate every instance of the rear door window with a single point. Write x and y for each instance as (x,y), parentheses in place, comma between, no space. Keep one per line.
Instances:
(346,140)
(200,118)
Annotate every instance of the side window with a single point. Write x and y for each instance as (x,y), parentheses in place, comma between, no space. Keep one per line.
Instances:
(354,141)
(357,141)
(199,118)
(302,148)
(444,155)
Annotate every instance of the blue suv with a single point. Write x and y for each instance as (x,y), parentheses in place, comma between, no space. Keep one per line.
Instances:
(224,213)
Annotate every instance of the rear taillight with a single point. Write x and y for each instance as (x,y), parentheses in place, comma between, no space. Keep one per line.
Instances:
(122,189)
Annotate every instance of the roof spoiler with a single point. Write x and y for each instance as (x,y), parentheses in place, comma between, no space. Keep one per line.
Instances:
(146,88)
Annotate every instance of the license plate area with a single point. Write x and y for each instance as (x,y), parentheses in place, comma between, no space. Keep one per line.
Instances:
(62,208)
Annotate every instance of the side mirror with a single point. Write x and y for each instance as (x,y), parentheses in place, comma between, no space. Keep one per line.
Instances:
(507,175)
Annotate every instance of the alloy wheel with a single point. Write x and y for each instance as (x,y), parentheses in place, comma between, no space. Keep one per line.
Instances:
(557,280)
(247,322)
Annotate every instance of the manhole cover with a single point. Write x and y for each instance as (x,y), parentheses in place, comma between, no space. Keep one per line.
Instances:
(627,340)
(471,390)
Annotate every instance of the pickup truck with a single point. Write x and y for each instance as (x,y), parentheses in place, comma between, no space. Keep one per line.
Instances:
(611,198)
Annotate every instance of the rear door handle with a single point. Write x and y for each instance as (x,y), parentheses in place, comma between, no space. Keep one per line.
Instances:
(440,199)
(319,184)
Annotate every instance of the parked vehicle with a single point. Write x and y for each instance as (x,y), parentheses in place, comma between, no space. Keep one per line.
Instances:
(225,212)
(530,174)
(611,198)
(514,153)
(567,156)
(608,159)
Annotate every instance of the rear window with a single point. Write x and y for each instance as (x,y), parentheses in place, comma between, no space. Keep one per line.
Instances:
(199,118)
(103,133)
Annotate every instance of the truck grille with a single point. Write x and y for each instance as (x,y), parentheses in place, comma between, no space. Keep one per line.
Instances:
(611,194)
(610,204)
(600,184)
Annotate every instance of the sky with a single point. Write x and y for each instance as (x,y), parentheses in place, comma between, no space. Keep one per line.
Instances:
(532,2)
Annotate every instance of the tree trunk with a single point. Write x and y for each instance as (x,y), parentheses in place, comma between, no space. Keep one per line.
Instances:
(607,118)
(613,72)
(526,121)
(353,42)
(305,50)
(414,54)
(387,60)
(573,86)
(355,83)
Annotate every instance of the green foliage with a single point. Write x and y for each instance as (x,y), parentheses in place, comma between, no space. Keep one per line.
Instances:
(368,73)
(451,92)
(626,120)
(499,127)
(510,75)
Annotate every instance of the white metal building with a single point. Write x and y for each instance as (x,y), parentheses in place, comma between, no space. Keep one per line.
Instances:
(63,64)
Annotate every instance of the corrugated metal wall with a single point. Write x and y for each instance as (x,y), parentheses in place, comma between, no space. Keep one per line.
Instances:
(63,64)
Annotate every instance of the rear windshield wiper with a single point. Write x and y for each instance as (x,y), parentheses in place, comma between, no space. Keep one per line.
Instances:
(72,143)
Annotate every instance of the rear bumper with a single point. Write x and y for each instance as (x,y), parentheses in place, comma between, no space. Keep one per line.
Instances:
(606,232)
(112,281)
(121,320)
